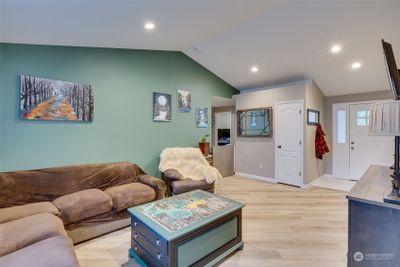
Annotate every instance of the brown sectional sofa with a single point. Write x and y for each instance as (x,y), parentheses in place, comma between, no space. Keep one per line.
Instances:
(36,240)
(42,210)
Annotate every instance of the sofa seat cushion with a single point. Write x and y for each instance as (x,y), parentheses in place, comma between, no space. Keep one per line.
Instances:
(23,232)
(129,195)
(83,204)
(54,251)
(17,212)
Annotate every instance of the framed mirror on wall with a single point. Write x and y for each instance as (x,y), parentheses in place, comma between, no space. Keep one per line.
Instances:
(312,117)
(254,122)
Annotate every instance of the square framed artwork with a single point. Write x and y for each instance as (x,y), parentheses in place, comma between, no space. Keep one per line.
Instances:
(161,107)
(55,100)
(202,117)
(184,101)
(312,117)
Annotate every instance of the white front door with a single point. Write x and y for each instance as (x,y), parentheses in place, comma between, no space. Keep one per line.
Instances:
(365,149)
(288,140)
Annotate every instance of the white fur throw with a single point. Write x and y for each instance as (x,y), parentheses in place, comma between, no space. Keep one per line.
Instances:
(190,162)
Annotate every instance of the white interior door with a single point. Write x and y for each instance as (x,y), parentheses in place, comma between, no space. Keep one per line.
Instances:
(365,149)
(288,140)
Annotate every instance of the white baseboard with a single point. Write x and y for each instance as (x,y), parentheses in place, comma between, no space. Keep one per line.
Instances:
(256,177)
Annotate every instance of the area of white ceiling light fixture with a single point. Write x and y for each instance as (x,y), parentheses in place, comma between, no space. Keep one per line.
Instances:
(254,69)
(336,48)
(356,65)
(149,26)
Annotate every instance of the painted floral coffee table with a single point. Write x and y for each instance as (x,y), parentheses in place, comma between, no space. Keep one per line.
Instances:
(192,229)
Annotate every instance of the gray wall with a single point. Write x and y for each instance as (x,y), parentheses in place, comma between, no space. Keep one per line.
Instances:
(313,167)
(329,101)
(251,153)
(256,156)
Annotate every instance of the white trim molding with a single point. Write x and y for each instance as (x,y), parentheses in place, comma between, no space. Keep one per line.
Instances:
(256,177)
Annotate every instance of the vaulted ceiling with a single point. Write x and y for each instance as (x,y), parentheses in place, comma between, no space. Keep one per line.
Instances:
(286,40)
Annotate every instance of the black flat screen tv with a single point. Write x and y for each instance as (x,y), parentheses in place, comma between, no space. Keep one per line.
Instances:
(391,68)
(224,137)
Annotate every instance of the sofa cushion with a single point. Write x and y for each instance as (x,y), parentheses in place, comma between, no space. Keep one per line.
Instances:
(16,212)
(23,232)
(83,204)
(55,251)
(129,195)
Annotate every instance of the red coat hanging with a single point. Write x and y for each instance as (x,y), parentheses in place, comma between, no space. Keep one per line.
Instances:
(321,147)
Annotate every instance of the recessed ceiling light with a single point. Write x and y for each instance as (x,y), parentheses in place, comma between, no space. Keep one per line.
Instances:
(356,65)
(336,48)
(149,26)
(254,69)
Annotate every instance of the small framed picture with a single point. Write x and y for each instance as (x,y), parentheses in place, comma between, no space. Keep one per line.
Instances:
(312,117)
(184,101)
(161,107)
(202,117)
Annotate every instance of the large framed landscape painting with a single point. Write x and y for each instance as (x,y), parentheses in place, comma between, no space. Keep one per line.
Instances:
(55,100)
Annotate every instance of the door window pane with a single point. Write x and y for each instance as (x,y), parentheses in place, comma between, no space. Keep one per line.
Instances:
(341,126)
(363,118)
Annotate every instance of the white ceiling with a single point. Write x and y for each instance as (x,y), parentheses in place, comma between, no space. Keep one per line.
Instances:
(288,40)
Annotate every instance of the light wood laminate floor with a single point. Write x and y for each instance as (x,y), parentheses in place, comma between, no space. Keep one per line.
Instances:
(282,226)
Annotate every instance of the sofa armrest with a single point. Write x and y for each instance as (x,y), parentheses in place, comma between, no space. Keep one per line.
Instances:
(17,212)
(172,175)
(157,184)
(179,187)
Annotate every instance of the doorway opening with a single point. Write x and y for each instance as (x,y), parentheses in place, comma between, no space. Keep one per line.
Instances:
(223,132)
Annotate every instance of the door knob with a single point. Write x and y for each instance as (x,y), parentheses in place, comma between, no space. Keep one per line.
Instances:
(279,146)
(352,148)
(352,143)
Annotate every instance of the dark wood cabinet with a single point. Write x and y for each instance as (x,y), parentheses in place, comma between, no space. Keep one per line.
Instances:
(373,226)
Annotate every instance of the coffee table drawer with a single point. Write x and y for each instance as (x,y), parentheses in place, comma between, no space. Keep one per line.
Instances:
(155,239)
(150,261)
(158,256)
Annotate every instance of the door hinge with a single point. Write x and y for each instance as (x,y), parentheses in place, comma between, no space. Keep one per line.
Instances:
(300,111)
(300,173)
(300,143)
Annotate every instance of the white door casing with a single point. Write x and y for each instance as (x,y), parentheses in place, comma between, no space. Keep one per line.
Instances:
(289,142)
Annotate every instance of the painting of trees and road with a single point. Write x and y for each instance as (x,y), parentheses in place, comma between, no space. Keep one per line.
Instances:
(47,99)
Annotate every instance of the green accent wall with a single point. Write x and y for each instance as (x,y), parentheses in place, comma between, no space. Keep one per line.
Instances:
(122,130)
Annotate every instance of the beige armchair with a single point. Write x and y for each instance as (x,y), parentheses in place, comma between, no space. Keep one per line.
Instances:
(185,169)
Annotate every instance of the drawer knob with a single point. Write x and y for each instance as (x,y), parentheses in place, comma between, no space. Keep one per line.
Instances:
(159,256)
(136,248)
(158,242)
(136,236)
(135,223)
